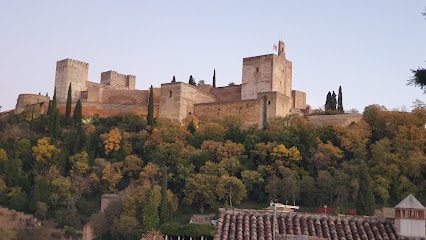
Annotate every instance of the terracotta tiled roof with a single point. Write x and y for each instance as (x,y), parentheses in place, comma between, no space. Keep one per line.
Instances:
(251,225)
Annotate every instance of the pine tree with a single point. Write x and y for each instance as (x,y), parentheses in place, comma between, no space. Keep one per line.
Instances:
(68,106)
(365,202)
(214,78)
(150,115)
(333,101)
(174,79)
(340,101)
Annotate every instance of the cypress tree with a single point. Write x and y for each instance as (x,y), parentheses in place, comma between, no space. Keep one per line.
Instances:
(192,81)
(78,115)
(214,78)
(340,101)
(52,116)
(150,115)
(56,126)
(68,106)
(365,202)
(191,127)
(164,211)
(328,102)
(333,101)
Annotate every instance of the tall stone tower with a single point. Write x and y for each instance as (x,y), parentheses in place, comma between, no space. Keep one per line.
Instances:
(70,71)
(267,73)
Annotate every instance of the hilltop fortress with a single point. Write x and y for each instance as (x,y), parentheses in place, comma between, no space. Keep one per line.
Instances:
(266,92)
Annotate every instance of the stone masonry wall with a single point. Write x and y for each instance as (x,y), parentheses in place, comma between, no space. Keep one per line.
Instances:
(331,120)
(72,72)
(247,110)
(257,76)
(32,102)
(281,75)
(227,94)
(177,100)
(299,99)
(117,80)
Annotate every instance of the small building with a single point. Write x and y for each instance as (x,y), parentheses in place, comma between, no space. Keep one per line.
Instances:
(410,218)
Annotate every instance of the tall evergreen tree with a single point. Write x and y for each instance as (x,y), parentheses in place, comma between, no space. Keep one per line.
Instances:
(333,101)
(78,115)
(174,79)
(192,80)
(150,115)
(53,117)
(340,101)
(68,106)
(214,78)
(164,211)
(365,202)
(328,102)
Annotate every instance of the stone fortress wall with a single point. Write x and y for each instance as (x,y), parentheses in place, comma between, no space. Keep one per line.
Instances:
(265,92)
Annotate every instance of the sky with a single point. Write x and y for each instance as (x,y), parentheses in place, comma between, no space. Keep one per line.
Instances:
(366,47)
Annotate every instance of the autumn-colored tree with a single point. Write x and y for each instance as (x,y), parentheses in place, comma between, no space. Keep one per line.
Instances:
(44,151)
(223,150)
(3,155)
(112,175)
(231,189)
(132,165)
(112,140)
(353,139)
(326,155)
(150,174)
(283,156)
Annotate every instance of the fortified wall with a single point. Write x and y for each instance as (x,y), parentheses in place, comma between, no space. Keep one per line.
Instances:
(265,92)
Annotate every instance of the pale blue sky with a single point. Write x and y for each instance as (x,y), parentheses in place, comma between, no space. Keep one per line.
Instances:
(365,46)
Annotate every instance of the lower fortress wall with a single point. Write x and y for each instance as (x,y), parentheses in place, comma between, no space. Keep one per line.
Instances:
(247,110)
(331,120)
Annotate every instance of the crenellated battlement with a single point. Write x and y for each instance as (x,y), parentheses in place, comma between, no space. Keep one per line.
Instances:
(118,80)
(265,92)
(72,61)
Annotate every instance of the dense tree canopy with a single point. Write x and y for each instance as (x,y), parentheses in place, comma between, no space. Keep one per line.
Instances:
(165,171)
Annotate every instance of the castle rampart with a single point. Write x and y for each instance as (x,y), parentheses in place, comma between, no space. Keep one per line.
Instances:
(32,102)
(72,72)
(227,94)
(332,120)
(246,110)
(177,100)
(117,80)
(266,92)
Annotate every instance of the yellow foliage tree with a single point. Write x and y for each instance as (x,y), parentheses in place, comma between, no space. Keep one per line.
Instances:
(112,175)
(44,150)
(3,154)
(112,140)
